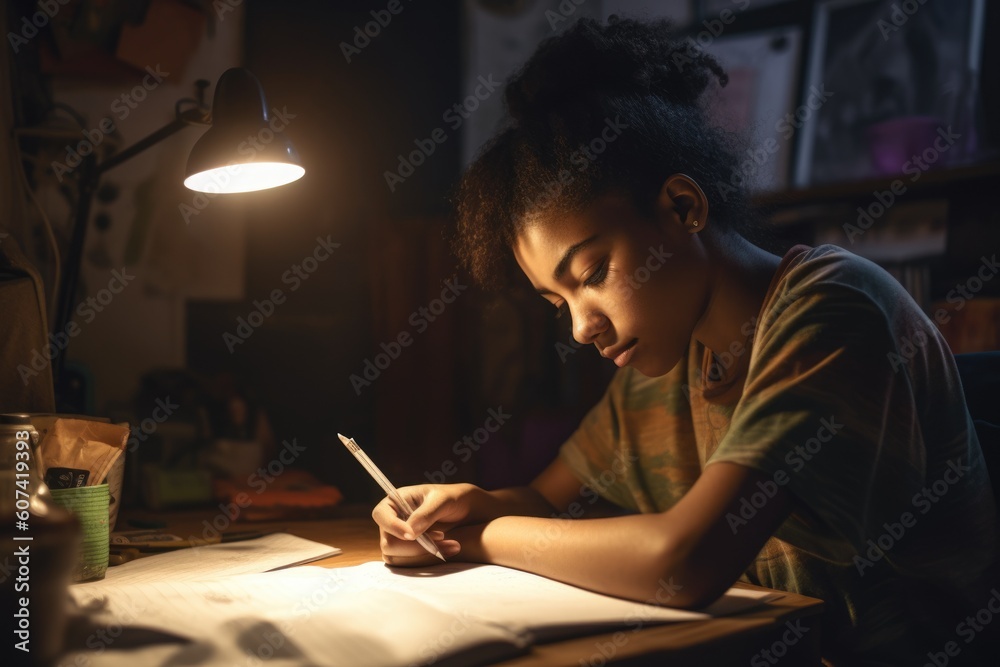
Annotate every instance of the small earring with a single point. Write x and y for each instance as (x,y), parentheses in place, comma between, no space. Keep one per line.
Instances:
(695,223)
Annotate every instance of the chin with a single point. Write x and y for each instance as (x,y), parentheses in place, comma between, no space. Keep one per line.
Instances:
(658,367)
(652,370)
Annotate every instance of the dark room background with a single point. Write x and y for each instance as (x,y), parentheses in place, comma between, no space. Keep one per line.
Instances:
(387,340)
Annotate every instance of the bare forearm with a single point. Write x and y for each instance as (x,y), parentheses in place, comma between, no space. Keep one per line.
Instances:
(623,556)
(515,501)
(689,554)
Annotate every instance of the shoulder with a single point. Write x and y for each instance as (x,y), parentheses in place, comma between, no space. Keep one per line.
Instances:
(832,280)
(832,266)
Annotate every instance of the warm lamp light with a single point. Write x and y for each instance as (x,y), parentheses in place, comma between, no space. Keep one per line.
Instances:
(244,177)
(245,149)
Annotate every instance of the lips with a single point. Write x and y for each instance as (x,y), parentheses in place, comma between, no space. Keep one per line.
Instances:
(621,355)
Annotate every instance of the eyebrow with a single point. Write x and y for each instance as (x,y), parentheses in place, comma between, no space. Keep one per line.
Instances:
(567,258)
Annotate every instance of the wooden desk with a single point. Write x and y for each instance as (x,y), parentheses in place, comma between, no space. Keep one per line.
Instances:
(720,641)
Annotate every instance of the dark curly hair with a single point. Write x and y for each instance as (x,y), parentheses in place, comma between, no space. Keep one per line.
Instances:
(550,157)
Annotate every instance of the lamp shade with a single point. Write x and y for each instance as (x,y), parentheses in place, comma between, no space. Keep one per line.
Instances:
(246,148)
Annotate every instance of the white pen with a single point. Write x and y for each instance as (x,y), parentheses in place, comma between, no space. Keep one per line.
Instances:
(390,490)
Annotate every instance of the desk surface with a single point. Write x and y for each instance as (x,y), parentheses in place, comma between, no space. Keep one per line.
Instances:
(720,641)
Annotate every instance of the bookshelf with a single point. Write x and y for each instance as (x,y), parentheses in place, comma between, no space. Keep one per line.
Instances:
(938,237)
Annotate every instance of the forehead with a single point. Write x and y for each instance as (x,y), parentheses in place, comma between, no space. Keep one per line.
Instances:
(544,238)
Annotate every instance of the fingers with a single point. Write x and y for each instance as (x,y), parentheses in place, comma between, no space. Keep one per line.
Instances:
(390,544)
(438,509)
(449,548)
(401,553)
(426,515)
(388,520)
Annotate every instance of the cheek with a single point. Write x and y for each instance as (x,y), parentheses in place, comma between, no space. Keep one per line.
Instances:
(672,301)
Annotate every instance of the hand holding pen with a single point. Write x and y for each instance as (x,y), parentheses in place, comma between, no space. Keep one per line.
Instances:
(404,507)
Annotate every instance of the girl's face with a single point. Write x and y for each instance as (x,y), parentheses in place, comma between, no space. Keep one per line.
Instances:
(636,288)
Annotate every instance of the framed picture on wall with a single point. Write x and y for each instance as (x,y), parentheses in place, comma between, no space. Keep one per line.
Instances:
(500,35)
(756,103)
(883,85)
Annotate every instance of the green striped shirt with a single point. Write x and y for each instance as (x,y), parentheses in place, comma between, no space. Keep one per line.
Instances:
(846,394)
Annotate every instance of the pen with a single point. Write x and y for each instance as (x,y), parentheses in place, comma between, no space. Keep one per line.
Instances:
(390,490)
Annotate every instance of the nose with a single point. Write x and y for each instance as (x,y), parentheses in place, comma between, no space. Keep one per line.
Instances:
(587,326)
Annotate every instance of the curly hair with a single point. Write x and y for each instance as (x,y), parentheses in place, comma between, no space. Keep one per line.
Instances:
(553,153)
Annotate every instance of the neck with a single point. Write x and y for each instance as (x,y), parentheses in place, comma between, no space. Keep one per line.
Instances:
(738,285)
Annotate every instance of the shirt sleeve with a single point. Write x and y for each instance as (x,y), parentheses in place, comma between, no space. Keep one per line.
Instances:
(822,413)
(592,452)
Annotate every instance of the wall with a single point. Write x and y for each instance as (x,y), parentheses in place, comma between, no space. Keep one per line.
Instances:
(149,249)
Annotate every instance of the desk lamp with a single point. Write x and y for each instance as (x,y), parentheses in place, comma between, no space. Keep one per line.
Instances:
(219,162)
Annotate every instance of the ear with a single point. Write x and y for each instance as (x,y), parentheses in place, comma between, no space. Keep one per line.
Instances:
(682,202)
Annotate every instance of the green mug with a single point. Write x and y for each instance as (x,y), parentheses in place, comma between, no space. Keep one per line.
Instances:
(90,506)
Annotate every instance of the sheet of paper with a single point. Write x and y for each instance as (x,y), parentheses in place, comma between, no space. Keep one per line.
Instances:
(548,608)
(306,615)
(216,560)
(367,614)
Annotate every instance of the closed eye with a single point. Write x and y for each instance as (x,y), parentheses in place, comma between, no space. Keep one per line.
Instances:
(562,310)
(598,276)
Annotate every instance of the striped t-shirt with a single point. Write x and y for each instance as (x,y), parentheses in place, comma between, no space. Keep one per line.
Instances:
(845,393)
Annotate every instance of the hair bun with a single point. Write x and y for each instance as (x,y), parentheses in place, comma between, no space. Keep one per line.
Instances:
(624,57)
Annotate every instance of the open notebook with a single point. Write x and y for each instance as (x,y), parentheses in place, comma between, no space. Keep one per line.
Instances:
(453,614)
